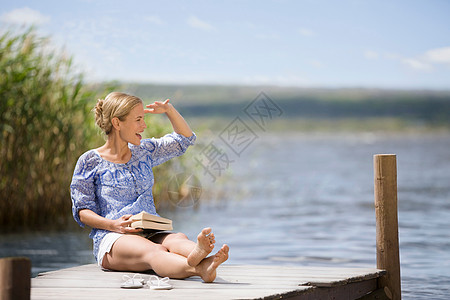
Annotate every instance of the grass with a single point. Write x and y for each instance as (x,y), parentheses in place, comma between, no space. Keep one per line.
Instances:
(42,112)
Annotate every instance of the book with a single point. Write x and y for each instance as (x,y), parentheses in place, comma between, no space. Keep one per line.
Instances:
(151,225)
(143,215)
(148,221)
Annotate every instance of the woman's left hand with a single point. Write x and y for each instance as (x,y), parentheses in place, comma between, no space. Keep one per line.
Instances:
(178,123)
(158,107)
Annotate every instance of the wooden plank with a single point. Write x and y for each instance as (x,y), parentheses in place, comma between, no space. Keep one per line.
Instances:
(15,273)
(233,281)
(244,270)
(380,294)
(353,290)
(385,191)
(185,294)
(253,270)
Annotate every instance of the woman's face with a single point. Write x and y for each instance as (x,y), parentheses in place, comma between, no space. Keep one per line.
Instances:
(133,125)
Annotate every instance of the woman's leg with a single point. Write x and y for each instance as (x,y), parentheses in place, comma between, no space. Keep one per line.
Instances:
(194,252)
(135,253)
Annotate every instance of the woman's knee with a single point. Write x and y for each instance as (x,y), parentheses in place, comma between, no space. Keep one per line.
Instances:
(179,236)
(173,238)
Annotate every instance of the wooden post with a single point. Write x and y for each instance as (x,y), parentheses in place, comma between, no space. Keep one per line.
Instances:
(385,181)
(15,278)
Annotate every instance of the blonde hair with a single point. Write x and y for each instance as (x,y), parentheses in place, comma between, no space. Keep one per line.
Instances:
(115,105)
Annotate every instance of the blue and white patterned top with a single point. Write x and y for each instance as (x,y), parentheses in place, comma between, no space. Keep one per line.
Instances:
(112,190)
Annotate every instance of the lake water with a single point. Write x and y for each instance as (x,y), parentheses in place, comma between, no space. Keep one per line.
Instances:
(307,200)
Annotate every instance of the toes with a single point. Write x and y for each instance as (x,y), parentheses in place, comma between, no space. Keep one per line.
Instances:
(221,256)
(225,249)
(206,231)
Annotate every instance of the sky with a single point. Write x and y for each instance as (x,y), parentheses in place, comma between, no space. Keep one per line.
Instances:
(401,44)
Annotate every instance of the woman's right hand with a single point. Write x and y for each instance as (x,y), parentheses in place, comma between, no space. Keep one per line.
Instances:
(122,225)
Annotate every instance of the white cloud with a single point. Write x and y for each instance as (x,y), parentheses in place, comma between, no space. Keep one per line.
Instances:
(428,60)
(195,22)
(306,32)
(24,16)
(417,64)
(369,54)
(438,56)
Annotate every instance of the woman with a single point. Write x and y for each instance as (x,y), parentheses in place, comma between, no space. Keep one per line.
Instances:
(113,182)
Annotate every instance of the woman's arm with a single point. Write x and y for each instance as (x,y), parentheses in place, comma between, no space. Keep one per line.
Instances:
(179,125)
(120,225)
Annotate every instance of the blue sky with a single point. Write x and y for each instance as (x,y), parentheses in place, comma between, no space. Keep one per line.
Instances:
(348,43)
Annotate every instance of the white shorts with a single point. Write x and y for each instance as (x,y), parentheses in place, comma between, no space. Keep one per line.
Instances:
(106,244)
(110,238)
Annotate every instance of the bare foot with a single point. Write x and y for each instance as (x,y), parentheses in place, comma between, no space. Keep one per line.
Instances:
(207,268)
(205,244)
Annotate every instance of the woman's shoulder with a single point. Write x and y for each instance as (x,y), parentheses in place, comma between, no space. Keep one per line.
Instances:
(89,159)
(89,155)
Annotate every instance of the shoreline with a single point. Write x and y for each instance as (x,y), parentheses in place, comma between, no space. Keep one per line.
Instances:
(380,126)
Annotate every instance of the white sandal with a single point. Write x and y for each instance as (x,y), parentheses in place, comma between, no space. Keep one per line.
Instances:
(156,283)
(132,282)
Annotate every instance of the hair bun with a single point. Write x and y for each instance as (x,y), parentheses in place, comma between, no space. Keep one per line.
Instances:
(99,106)
(98,110)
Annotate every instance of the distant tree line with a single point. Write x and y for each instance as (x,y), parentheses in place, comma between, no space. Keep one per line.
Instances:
(429,109)
(209,101)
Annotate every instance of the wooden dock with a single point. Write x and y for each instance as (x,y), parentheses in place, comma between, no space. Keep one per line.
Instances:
(232,282)
(237,281)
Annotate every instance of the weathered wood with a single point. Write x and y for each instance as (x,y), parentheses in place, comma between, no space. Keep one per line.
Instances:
(385,190)
(15,274)
(232,282)
(352,290)
(380,294)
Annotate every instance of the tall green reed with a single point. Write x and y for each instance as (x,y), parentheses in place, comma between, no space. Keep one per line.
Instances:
(44,107)
(46,123)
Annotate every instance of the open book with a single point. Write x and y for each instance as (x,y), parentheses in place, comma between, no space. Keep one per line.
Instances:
(148,221)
